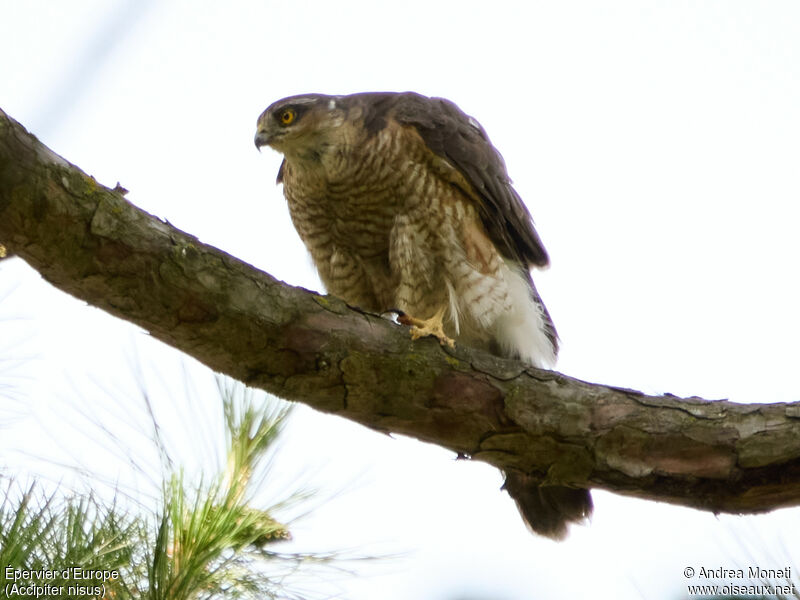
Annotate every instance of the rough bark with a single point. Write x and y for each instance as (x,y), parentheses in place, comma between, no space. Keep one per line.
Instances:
(90,242)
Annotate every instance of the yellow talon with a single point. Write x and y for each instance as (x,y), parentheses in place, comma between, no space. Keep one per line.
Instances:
(424,327)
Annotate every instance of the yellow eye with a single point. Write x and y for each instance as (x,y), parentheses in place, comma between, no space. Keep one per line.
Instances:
(288,116)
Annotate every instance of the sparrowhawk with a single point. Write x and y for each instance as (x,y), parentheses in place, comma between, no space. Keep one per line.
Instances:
(404,203)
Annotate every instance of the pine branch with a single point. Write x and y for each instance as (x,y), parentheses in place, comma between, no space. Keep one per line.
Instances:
(89,241)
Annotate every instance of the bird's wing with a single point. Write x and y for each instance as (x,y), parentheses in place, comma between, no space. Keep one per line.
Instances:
(461,141)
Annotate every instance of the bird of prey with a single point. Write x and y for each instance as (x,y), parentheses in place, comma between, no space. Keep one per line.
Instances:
(404,204)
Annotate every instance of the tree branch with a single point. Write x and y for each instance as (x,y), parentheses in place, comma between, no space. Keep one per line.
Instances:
(90,242)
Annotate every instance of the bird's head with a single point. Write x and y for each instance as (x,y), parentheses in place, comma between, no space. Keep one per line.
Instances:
(300,126)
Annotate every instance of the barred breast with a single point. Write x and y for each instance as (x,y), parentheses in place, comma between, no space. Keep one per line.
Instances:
(345,207)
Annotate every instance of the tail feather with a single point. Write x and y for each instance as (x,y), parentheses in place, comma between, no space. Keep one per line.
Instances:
(518,325)
(548,509)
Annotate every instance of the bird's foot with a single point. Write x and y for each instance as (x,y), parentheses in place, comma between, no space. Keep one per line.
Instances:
(424,327)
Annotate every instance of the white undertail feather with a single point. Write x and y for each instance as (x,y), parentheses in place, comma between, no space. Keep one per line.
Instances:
(501,309)
(522,330)
(452,313)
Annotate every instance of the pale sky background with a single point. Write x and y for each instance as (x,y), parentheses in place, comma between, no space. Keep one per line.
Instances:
(656,144)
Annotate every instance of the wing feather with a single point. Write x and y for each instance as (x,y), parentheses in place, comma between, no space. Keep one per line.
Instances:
(462,142)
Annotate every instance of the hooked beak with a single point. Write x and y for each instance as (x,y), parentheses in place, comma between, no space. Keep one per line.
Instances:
(263,138)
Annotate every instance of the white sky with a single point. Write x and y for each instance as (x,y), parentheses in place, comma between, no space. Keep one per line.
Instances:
(657,145)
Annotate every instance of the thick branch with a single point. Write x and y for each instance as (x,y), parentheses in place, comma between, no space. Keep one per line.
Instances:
(299,345)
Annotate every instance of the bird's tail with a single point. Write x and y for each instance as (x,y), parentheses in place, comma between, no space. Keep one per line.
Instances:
(548,509)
